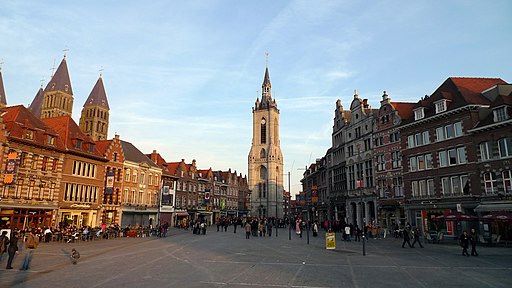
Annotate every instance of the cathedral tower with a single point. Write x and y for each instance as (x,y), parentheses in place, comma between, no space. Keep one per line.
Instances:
(265,157)
(58,95)
(95,113)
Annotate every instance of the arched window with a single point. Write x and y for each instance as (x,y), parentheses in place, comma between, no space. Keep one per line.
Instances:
(263,154)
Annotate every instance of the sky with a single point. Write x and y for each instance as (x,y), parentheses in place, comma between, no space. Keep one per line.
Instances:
(182,77)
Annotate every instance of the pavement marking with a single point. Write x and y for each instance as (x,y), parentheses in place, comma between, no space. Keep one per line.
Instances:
(262,285)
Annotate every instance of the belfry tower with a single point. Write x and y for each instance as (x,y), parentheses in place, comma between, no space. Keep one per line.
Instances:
(265,157)
(58,94)
(95,113)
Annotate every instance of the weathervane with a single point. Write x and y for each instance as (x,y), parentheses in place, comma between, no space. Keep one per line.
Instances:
(266,53)
(101,71)
(64,51)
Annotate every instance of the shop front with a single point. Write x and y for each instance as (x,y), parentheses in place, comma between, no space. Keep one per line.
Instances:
(182,218)
(78,215)
(22,218)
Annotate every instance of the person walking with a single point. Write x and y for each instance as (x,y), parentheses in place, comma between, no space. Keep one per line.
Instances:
(248,229)
(347,232)
(417,238)
(407,238)
(315,229)
(464,243)
(269,228)
(12,250)
(30,245)
(4,243)
(473,238)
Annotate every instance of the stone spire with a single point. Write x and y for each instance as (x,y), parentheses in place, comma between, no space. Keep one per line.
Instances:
(58,94)
(3,99)
(36,105)
(94,119)
(266,87)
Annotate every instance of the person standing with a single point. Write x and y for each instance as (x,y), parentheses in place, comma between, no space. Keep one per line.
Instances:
(12,250)
(473,238)
(248,229)
(269,228)
(347,232)
(416,238)
(30,245)
(4,243)
(464,243)
(315,229)
(407,238)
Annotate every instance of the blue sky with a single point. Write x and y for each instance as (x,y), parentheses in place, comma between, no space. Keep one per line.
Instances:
(182,76)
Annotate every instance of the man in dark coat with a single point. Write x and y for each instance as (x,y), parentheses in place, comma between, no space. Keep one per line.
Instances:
(464,243)
(407,237)
(12,250)
(416,238)
(473,238)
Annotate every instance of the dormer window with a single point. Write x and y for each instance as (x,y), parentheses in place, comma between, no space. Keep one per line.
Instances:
(440,106)
(50,140)
(91,147)
(419,113)
(29,134)
(78,144)
(500,114)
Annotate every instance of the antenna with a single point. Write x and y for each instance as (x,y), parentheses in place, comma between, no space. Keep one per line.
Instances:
(266,53)
(42,81)
(1,62)
(101,71)
(65,50)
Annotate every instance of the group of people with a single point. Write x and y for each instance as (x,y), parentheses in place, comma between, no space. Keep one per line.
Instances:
(9,244)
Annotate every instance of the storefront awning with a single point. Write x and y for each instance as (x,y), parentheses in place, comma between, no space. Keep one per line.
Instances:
(495,207)
(182,214)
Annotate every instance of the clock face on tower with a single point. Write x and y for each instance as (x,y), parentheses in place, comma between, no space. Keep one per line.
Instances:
(263,121)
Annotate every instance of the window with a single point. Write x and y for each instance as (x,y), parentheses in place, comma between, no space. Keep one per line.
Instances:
(55,162)
(397,187)
(461,155)
(440,134)
(115,157)
(44,164)
(457,127)
(50,140)
(430,187)
(396,159)
(263,131)
(381,163)
(23,159)
(78,144)
(410,141)
(443,159)
(35,159)
(485,151)
(505,147)
(29,134)
(500,114)
(456,185)
(452,157)
(445,186)
(413,164)
(428,161)
(127,175)
(449,132)
(426,137)
(440,106)
(507,185)
(394,137)
(91,147)
(418,139)
(489,182)
(421,162)
(419,114)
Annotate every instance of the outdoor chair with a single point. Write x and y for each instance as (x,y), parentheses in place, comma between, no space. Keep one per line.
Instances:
(429,238)
(440,237)
(482,240)
(497,242)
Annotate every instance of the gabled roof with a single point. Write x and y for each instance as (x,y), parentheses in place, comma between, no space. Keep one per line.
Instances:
(60,79)
(70,133)
(460,92)
(98,97)
(132,154)
(3,98)
(157,159)
(17,119)
(37,104)
(172,167)
(405,109)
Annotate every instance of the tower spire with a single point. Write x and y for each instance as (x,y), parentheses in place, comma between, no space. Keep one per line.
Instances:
(3,98)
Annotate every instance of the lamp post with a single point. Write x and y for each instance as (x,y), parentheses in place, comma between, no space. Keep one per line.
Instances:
(360,185)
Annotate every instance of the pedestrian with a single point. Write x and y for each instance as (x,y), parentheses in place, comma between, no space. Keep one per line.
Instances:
(30,245)
(464,243)
(74,256)
(315,229)
(269,228)
(416,238)
(4,243)
(473,238)
(358,234)
(407,238)
(235,222)
(347,232)
(247,230)
(12,250)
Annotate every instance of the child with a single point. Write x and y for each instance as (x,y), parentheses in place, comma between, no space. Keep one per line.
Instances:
(74,256)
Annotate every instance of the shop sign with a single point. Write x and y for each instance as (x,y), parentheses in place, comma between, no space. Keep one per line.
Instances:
(330,241)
